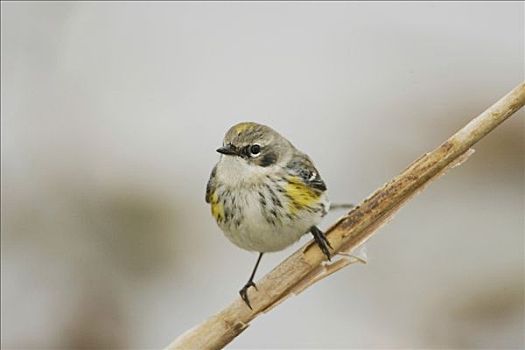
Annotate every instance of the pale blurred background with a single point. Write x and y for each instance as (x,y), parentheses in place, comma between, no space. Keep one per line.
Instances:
(111,114)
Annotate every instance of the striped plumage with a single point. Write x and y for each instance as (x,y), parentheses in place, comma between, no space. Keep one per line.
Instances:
(264,193)
(267,208)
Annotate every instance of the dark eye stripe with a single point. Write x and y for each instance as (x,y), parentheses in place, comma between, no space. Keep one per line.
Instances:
(268,159)
(245,151)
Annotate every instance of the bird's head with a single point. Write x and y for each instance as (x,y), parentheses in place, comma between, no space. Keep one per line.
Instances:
(255,145)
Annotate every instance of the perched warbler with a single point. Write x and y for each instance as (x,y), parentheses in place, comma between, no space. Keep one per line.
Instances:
(265,193)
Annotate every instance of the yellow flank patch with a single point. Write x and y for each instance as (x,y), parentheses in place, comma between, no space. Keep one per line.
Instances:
(217,209)
(241,127)
(301,195)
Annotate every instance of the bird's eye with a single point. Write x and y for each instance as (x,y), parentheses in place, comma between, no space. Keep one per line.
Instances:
(255,150)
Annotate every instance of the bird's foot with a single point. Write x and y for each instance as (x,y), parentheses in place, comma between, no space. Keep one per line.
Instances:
(244,292)
(321,241)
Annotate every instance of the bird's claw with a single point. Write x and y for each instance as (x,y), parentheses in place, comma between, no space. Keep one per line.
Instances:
(322,242)
(244,292)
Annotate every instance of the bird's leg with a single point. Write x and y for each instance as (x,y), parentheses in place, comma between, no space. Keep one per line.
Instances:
(244,291)
(321,241)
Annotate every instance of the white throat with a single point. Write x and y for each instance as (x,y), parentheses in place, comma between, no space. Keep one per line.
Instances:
(235,171)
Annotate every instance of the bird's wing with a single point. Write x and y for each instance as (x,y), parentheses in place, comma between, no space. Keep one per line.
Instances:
(302,166)
(210,187)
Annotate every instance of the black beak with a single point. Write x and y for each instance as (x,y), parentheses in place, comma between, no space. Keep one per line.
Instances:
(229,149)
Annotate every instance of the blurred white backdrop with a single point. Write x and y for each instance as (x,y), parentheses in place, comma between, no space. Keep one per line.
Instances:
(111,113)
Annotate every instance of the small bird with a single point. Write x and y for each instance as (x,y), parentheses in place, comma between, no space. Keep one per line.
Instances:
(265,193)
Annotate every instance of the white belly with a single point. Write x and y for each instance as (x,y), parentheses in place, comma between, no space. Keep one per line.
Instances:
(257,230)
(257,217)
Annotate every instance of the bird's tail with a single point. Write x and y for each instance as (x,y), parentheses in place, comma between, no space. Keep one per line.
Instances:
(338,206)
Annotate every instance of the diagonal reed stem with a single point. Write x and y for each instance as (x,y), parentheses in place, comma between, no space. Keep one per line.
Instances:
(305,267)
